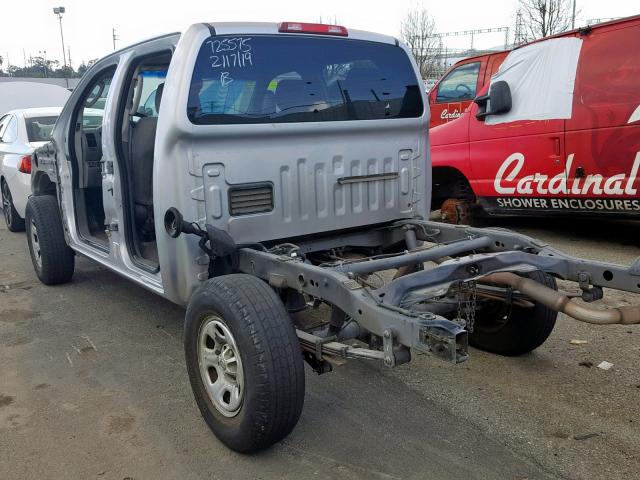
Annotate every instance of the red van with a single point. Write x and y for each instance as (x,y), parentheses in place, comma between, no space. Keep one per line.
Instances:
(570,140)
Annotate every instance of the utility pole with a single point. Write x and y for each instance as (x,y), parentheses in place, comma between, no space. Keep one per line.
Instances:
(43,55)
(114,37)
(59,11)
(573,16)
(520,36)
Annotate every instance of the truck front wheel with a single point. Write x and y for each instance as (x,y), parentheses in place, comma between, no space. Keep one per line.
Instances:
(514,330)
(53,260)
(244,362)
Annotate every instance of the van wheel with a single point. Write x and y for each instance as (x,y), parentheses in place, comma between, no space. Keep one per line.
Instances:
(14,222)
(244,362)
(52,258)
(514,330)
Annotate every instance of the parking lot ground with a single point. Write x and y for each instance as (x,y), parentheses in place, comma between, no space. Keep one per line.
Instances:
(93,385)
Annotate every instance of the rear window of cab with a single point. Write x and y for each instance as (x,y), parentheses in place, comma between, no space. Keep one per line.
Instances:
(285,79)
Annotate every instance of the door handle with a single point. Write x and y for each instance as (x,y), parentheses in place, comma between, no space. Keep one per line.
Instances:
(556,146)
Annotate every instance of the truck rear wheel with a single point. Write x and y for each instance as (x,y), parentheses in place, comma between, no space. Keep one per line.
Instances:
(514,330)
(244,362)
(52,258)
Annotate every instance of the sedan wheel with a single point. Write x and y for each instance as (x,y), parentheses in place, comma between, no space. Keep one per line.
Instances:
(14,222)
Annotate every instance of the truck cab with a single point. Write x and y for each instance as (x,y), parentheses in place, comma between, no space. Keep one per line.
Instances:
(155,126)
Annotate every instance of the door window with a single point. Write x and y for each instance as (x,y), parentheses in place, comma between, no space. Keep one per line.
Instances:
(95,102)
(149,81)
(459,84)
(86,148)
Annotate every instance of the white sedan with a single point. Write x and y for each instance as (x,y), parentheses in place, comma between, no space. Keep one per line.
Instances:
(21,132)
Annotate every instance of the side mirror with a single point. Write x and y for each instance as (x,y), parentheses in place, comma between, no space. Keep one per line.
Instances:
(497,101)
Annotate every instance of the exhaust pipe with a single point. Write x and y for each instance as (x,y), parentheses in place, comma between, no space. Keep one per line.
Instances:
(556,301)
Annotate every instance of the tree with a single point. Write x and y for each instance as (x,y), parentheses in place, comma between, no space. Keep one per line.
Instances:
(417,31)
(542,18)
(85,66)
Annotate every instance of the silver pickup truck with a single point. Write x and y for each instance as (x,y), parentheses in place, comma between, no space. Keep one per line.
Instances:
(254,171)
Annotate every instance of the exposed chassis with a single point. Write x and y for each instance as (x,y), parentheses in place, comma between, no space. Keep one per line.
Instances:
(462,253)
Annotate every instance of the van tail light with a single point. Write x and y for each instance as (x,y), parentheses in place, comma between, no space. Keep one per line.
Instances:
(319,28)
(25,164)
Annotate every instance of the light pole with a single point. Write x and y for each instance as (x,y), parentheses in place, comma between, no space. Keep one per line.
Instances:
(59,11)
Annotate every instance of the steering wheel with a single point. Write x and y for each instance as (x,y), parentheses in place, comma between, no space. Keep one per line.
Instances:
(462,86)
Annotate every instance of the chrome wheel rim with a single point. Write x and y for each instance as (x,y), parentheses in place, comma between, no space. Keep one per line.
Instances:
(220,366)
(6,203)
(35,244)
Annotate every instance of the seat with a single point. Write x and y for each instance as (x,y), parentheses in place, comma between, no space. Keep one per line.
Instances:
(143,138)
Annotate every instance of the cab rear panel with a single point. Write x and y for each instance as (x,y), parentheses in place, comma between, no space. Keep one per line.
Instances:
(292,190)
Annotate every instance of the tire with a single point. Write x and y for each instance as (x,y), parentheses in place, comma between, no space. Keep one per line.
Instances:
(52,258)
(270,364)
(518,331)
(14,222)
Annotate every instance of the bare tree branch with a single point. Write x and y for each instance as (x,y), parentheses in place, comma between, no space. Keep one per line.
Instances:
(417,30)
(542,18)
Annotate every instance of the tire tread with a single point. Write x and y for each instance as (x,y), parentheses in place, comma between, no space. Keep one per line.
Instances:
(275,357)
(57,257)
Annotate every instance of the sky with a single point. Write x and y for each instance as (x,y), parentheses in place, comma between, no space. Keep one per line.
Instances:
(30,26)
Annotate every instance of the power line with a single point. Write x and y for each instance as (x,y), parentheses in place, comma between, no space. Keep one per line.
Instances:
(593,21)
(472,33)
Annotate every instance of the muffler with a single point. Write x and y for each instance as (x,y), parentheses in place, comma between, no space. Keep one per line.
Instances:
(561,303)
